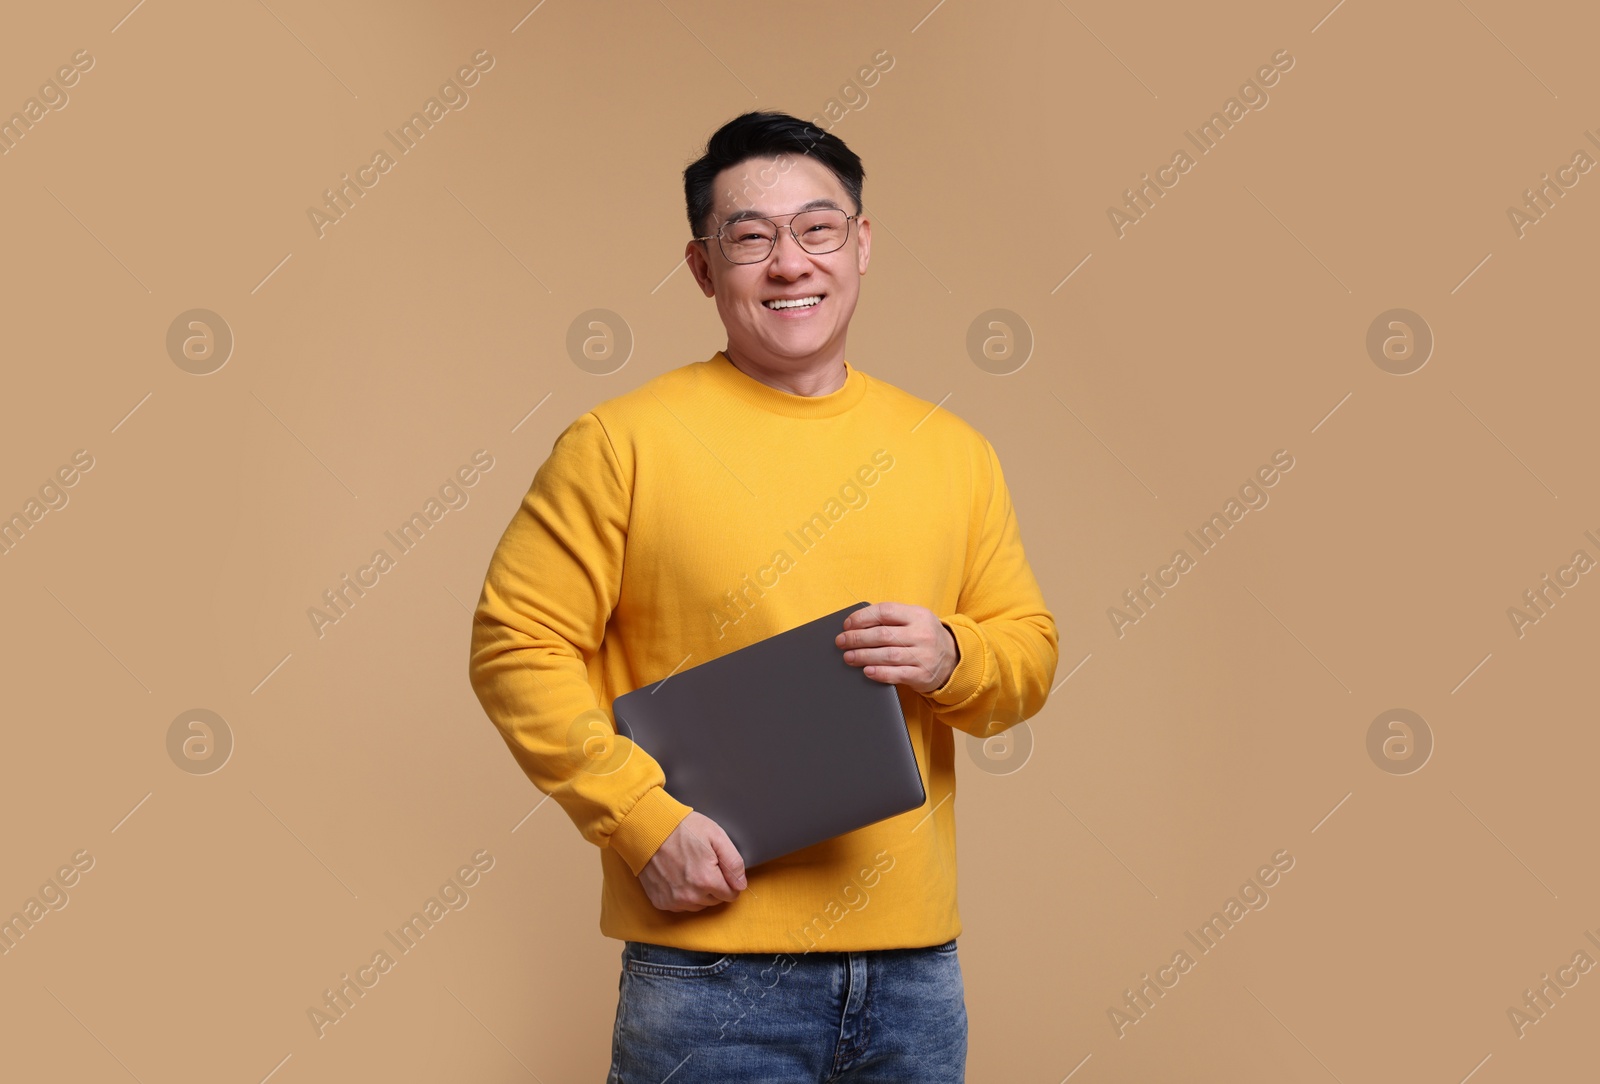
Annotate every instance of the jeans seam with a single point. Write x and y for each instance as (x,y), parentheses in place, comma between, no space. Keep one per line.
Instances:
(617,1040)
(681,971)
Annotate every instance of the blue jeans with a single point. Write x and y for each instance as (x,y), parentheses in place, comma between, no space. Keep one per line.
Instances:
(887,1016)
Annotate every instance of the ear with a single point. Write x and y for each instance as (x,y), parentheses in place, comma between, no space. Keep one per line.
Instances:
(863,244)
(700,267)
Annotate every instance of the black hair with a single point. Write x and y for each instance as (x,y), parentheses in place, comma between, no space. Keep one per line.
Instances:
(764,135)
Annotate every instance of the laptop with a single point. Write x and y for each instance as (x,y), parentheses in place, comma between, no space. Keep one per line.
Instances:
(782,743)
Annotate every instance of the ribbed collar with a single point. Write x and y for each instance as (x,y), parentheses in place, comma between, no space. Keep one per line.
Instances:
(727,375)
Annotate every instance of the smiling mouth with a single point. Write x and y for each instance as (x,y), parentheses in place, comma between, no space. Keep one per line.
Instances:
(786,305)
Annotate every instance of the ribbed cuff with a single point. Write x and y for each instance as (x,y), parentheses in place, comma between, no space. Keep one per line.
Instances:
(646,826)
(968,675)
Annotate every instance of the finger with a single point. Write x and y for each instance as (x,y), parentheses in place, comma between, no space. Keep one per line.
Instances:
(867,615)
(876,636)
(880,656)
(879,613)
(898,675)
(728,859)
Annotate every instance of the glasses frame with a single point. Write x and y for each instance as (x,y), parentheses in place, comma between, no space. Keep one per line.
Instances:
(777,229)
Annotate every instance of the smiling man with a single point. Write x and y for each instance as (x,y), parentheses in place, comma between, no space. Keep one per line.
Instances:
(837,962)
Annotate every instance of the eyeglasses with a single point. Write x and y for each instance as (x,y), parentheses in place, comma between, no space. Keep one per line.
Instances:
(751,240)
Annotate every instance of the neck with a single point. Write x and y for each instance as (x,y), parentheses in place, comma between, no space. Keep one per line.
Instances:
(820,376)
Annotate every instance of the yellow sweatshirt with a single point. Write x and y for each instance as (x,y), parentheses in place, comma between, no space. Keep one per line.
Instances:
(704,511)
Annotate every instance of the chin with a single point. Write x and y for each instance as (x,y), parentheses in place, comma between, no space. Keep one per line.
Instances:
(798,346)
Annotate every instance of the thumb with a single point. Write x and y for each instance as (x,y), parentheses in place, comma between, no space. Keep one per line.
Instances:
(728,858)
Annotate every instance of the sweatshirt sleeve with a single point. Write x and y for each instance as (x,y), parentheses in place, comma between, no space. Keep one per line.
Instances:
(1007,639)
(550,590)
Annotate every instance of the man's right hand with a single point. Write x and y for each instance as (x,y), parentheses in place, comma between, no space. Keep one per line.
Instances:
(696,867)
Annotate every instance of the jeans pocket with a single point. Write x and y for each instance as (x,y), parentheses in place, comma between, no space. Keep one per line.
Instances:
(645,958)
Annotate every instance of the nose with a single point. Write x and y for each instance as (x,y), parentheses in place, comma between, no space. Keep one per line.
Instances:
(788,258)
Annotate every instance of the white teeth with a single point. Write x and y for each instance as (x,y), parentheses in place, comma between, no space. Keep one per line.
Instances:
(798,303)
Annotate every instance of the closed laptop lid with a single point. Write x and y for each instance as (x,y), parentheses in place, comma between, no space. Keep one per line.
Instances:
(782,743)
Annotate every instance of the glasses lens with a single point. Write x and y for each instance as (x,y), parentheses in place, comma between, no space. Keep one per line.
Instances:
(821,231)
(748,240)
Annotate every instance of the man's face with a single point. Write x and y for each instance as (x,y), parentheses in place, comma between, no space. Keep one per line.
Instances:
(790,339)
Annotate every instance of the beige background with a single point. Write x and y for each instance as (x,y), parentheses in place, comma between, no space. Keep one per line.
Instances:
(1172,761)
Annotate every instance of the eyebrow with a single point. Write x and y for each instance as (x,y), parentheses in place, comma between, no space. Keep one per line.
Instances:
(739,216)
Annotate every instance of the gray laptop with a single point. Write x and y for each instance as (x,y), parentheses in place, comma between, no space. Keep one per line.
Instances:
(782,743)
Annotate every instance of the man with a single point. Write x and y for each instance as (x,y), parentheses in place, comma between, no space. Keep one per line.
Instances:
(720,503)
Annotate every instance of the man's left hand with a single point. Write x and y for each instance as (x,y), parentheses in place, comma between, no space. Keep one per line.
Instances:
(899,644)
